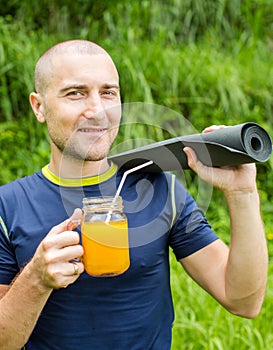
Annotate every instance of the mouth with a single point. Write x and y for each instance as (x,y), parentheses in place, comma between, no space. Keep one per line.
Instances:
(92,130)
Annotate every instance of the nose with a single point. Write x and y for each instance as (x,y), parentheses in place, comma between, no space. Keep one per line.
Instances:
(94,108)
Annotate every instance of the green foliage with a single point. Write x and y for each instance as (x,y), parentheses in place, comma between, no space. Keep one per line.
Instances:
(21,154)
(202,324)
(191,64)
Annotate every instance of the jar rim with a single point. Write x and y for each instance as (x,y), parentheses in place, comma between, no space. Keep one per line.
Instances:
(103,200)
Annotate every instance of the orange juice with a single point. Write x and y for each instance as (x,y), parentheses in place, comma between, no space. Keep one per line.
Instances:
(106,247)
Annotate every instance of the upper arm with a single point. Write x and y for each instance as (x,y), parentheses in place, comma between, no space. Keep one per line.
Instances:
(207,267)
(3,290)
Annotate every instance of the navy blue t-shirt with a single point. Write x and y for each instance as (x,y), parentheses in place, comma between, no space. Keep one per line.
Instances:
(130,311)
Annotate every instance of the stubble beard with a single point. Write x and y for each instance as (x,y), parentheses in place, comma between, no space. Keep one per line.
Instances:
(96,150)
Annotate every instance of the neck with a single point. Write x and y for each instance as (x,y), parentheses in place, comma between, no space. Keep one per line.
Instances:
(76,168)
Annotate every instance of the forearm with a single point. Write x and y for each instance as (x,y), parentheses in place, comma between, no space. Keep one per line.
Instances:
(246,271)
(20,308)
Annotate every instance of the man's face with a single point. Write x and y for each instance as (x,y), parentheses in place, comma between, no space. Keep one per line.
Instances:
(81,105)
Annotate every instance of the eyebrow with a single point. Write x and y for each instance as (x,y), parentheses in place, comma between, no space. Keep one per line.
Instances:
(84,86)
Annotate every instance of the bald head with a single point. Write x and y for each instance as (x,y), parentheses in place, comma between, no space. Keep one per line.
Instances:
(43,70)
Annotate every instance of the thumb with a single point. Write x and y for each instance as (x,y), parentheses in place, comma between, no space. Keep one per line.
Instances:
(191,158)
(75,219)
(68,224)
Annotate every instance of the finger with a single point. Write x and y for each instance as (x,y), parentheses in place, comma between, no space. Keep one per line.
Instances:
(62,240)
(65,253)
(73,221)
(203,171)
(213,128)
(64,274)
(75,268)
(191,157)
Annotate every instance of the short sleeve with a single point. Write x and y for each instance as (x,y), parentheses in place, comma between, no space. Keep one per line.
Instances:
(190,231)
(8,263)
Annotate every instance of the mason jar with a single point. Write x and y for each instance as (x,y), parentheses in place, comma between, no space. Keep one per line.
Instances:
(105,240)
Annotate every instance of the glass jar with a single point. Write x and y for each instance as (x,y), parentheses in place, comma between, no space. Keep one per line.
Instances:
(105,237)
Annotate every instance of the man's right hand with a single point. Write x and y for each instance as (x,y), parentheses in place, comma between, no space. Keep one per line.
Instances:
(56,263)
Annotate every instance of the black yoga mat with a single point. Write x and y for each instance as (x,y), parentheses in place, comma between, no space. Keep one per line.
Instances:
(233,145)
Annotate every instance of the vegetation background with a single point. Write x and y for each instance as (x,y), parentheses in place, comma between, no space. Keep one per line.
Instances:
(207,60)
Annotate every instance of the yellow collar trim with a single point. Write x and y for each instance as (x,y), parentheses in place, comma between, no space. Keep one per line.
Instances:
(85,181)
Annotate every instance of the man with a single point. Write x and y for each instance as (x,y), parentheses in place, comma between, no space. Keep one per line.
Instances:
(47,300)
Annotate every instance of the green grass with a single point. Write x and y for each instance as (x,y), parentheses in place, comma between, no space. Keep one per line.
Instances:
(202,324)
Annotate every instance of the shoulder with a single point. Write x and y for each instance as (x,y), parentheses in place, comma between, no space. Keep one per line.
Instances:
(24,184)
(23,180)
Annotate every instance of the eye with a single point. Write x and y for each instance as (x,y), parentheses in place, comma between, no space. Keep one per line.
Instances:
(75,93)
(110,93)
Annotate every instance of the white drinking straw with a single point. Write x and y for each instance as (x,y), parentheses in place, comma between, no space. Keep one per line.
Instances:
(125,175)
(122,182)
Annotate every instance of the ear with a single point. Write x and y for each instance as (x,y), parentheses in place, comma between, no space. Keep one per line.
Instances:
(36,100)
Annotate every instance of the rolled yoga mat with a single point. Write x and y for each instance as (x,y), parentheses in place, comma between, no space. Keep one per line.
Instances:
(232,145)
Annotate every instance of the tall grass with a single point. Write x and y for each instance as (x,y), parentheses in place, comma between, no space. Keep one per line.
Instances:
(202,324)
(204,60)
